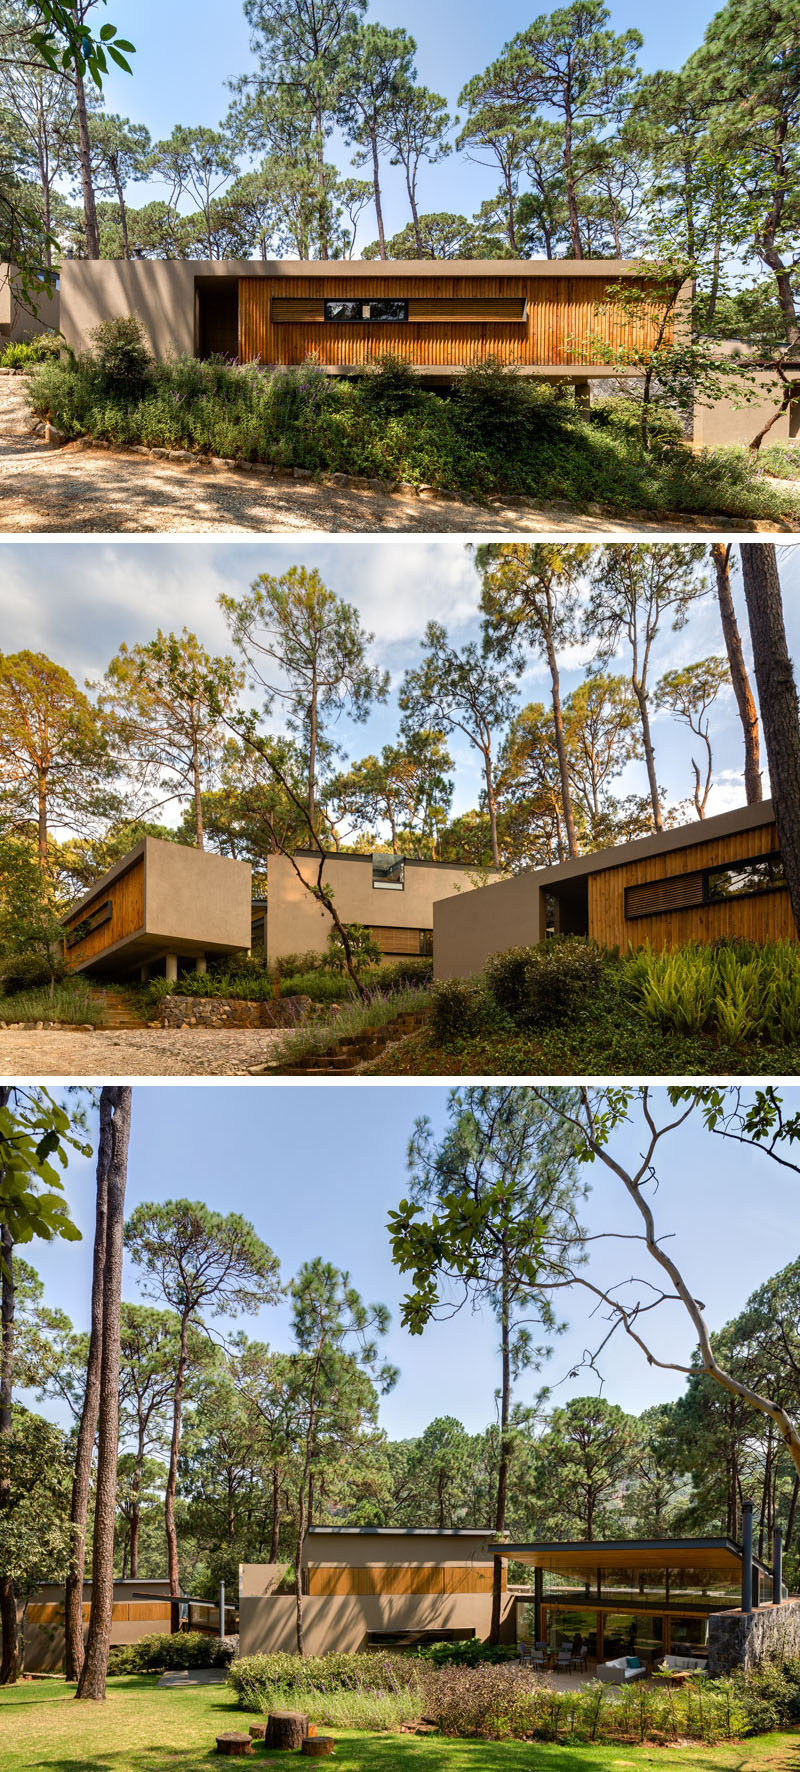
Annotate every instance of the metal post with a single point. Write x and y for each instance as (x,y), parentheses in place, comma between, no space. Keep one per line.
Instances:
(747,1556)
(222,1608)
(538,1611)
(777,1566)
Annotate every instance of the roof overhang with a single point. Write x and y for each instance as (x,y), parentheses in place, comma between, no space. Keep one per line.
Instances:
(684,836)
(584,1557)
(377,270)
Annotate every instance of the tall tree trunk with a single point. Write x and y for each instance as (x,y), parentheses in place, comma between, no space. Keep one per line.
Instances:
(649,754)
(84,1450)
(491,803)
(276,1513)
(123,215)
(745,700)
(322,203)
(115,1110)
(87,187)
(199,834)
(41,811)
(312,751)
(777,694)
(136,1503)
(10,1661)
(502,1472)
(412,198)
(172,1474)
(376,188)
(572,202)
(561,748)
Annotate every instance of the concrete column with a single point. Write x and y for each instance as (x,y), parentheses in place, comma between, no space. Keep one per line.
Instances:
(777,1566)
(144,974)
(583,394)
(200,964)
(172,968)
(747,1557)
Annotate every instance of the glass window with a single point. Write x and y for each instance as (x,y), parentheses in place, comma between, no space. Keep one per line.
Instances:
(632,1633)
(565,1624)
(388,872)
(353,310)
(687,1635)
(739,879)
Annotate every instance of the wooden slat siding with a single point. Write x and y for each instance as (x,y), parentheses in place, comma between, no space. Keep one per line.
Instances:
(127,897)
(766,916)
(396,941)
(394,1580)
(123,1612)
(563,313)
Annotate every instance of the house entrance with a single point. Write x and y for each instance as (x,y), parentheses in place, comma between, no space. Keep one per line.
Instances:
(217,317)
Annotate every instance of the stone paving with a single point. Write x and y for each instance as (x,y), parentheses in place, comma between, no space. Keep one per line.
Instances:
(145,1052)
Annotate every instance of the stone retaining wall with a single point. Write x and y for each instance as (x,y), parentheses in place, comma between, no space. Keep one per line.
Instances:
(744,1640)
(232,1012)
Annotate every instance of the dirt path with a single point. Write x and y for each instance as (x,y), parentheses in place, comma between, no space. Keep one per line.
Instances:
(149,1052)
(46,491)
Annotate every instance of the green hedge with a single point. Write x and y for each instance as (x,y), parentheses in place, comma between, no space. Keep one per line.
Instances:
(255,1675)
(161,1653)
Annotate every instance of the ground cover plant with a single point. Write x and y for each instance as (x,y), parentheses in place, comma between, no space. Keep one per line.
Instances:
(339,1691)
(69,1000)
(24,353)
(163,1651)
(491,435)
(571,1006)
(314,1039)
(142,1727)
(309,975)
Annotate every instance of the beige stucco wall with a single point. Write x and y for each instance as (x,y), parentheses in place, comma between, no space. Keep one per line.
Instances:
(362,1549)
(269,1624)
(44,1643)
(19,319)
(298,924)
(468,930)
(722,424)
(194,896)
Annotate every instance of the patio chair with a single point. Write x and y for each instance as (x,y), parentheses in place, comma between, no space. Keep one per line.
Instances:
(564,1660)
(537,1658)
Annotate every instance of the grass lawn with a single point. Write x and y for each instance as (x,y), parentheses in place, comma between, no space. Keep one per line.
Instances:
(142,1728)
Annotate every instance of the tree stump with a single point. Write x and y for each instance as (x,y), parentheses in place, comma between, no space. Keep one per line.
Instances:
(286,1729)
(315,1746)
(234,1743)
(258,1731)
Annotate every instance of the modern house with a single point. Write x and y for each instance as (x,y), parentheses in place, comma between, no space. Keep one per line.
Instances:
(163,907)
(141,1608)
(370,1587)
(391,896)
(717,877)
(643,1597)
(549,318)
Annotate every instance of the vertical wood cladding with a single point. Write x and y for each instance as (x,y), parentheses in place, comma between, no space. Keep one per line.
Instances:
(126,895)
(564,313)
(766,916)
(388,1579)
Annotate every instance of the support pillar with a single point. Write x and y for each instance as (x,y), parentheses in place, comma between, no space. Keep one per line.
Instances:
(200,964)
(583,394)
(777,1566)
(144,973)
(538,1616)
(222,1608)
(747,1557)
(172,968)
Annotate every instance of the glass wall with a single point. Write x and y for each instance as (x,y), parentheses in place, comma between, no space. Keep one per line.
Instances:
(633,1633)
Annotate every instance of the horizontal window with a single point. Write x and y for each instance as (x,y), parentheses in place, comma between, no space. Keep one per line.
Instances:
(355,310)
(95,920)
(740,879)
(715,885)
(409,943)
(389,872)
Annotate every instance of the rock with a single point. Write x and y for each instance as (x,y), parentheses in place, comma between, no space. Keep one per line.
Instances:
(360,482)
(427,492)
(86,1027)
(339,479)
(159,454)
(53,437)
(380,485)
(302,474)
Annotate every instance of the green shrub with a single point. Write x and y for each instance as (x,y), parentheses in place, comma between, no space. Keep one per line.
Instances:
(545,985)
(770,1696)
(403,972)
(390,385)
(121,356)
(501,410)
(321,987)
(456,1008)
(363,948)
(162,1653)
(467,1654)
(736,991)
(23,353)
(70,1001)
(782,460)
(255,1677)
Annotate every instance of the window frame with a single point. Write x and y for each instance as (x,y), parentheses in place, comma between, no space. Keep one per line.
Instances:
(398,861)
(362,319)
(706,897)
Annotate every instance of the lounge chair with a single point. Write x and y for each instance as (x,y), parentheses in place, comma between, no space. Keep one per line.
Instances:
(621,1671)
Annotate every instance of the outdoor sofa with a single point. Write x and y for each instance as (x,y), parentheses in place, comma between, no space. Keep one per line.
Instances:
(619,1672)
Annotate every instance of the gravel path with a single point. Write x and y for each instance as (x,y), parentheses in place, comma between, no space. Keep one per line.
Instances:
(45,491)
(149,1052)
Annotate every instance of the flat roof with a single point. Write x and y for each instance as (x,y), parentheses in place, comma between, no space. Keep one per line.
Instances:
(682,836)
(127,861)
(404,1531)
(410,861)
(376,269)
(582,1555)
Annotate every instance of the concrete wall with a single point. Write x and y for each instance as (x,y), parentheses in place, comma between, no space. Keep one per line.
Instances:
(723,424)
(744,1640)
(298,924)
(468,930)
(269,1624)
(195,896)
(131,1620)
(22,319)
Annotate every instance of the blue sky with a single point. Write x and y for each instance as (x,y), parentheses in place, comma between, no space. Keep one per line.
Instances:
(188,51)
(316,1168)
(79,600)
